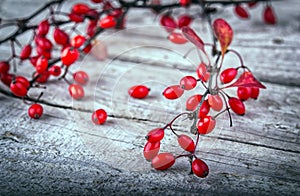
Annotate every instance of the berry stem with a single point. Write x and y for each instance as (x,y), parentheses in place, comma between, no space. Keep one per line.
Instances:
(227,107)
(217,70)
(170,126)
(183,155)
(238,55)
(197,141)
(214,50)
(13,51)
(188,52)
(174,119)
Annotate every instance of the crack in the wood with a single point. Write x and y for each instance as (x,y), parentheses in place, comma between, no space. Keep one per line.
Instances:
(11,136)
(288,83)
(70,107)
(112,139)
(258,145)
(262,172)
(243,159)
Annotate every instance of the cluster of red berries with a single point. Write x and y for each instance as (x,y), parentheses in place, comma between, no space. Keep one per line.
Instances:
(110,19)
(165,160)
(204,109)
(268,15)
(206,122)
(173,27)
(39,51)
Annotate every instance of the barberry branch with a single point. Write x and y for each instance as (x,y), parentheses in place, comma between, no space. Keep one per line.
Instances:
(213,78)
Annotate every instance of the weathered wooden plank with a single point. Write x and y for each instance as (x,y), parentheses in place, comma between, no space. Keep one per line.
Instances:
(64,152)
(61,142)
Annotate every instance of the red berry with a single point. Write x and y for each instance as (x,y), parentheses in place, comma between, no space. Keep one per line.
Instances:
(77,18)
(200,168)
(192,102)
(43,28)
(33,60)
(60,36)
(168,22)
(186,142)
(69,56)
(237,106)
(177,38)
(185,3)
(26,52)
(269,15)
(23,80)
(173,92)
(155,135)
(228,75)
(215,102)
(254,93)
(99,117)
(202,72)
(55,70)
(139,91)
(18,89)
(4,67)
(6,78)
(43,43)
(107,22)
(76,91)
(204,110)
(206,125)
(81,77)
(77,41)
(35,111)
(241,12)
(91,28)
(184,20)
(243,93)
(43,77)
(188,82)
(80,8)
(41,65)
(163,161)
(151,150)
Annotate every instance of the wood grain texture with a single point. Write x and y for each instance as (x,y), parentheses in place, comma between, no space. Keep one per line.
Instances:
(64,153)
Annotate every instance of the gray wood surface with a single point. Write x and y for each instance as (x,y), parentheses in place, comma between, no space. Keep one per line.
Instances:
(65,153)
